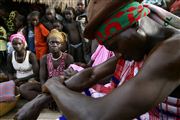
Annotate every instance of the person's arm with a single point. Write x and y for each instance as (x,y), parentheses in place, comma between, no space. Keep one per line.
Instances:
(44,30)
(92,75)
(69,60)
(43,70)
(10,68)
(90,63)
(155,81)
(35,65)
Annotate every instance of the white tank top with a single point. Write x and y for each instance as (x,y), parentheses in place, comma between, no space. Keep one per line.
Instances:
(23,69)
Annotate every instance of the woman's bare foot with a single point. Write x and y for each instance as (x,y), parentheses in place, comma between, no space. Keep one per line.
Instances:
(32,109)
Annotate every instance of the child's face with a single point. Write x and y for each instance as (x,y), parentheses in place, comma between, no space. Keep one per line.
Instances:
(80,6)
(35,20)
(50,15)
(69,15)
(57,26)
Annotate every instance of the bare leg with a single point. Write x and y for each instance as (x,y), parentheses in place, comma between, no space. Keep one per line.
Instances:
(74,105)
(32,109)
(30,90)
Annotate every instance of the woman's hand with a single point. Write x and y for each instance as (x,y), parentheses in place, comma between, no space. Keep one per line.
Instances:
(19,82)
(69,72)
(52,81)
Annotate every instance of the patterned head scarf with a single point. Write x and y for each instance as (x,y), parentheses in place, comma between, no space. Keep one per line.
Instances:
(121,19)
(19,36)
(62,37)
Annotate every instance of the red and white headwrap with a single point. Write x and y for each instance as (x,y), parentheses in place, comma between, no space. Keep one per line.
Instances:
(19,36)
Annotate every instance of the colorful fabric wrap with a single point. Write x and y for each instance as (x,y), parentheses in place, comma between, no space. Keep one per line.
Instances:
(19,36)
(121,19)
(7,91)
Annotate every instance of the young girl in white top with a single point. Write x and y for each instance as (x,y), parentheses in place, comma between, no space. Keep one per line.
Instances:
(23,67)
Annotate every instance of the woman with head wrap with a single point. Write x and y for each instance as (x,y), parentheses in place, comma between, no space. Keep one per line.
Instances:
(23,67)
(54,63)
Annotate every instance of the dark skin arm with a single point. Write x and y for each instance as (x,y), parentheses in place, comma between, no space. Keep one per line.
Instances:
(157,79)
(69,60)
(90,63)
(87,77)
(10,68)
(35,66)
(43,70)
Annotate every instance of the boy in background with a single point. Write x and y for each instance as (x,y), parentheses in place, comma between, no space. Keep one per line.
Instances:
(40,34)
(74,32)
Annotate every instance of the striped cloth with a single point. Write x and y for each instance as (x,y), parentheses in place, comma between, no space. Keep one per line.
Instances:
(167,110)
(7,91)
(125,70)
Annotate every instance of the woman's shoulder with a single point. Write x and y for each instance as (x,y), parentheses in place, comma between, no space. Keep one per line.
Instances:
(67,55)
(68,58)
(31,54)
(9,56)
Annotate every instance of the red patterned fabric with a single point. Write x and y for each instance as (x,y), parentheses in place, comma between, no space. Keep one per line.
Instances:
(125,70)
(121,19)
(52,71)
(175,6)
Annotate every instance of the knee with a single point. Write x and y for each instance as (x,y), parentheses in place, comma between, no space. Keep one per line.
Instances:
(23,88)
(27,91)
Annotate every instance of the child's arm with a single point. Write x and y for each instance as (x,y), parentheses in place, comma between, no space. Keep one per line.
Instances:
(35,66)
(44,30)
(43,70)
